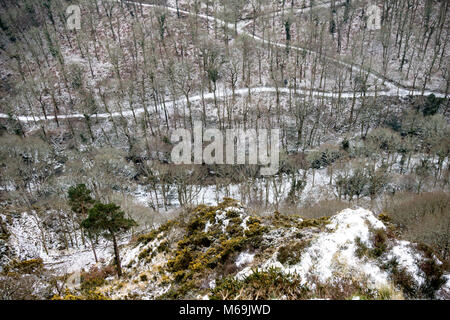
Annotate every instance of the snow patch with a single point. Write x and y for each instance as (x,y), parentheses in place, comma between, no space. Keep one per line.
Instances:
(244,258)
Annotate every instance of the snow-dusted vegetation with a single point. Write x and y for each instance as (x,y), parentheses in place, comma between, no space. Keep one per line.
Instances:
(93,205)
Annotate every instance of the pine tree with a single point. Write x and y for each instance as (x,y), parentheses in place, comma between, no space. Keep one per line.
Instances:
(80,201)
(109,221)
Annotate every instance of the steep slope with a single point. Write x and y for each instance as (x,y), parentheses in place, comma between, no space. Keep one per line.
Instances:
(222,252)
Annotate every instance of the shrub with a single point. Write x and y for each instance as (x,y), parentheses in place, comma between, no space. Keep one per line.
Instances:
(146,238)
(291,254)
(143,277)
(405,282)
(163,246)
(379,242)
(33,266)
(270,284)
(181,261)
(89,295)
(324,208)
(423,218)
(95,277)
(434,272)
(379,245)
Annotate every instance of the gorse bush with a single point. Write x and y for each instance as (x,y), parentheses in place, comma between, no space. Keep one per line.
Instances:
(271,284)
(95,277)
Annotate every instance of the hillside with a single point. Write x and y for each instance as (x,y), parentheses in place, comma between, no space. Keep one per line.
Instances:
(127,128)
(223,252)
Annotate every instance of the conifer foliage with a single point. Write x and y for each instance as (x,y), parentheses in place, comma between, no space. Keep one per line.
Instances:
(109,221)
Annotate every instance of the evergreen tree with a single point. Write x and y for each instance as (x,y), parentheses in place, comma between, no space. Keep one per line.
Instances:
(432,105)
(80,201)
(109,221)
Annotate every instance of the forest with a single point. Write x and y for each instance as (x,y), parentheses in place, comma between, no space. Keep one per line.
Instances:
(92,91)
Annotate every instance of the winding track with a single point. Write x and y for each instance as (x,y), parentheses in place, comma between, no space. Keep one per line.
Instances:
(394,88)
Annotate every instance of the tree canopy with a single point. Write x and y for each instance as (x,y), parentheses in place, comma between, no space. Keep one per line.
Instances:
(107,218)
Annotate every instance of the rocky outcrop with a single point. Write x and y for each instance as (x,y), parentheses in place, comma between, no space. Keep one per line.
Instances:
(223,252)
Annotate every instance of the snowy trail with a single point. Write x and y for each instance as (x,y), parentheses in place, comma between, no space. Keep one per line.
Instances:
(274,13)
(221,94)
(303,10)
(391,84)
(394,88)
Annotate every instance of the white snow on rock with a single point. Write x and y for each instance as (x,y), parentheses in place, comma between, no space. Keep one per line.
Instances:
(331,256)
(26,240)
(407,259)
(333,253)
(244,258)
(131,254)
(221,218)
(444,292)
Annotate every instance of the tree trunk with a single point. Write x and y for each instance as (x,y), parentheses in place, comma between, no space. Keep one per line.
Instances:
(116,255)
(91,240)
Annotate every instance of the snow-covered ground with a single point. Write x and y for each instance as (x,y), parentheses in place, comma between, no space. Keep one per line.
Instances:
(329,255)
(392,88)
(27,236)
